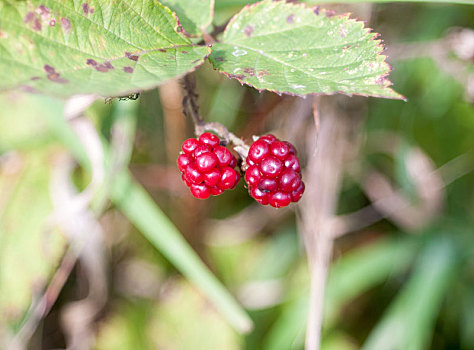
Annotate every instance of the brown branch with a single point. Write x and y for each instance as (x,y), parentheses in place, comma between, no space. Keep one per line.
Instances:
(191,110)
(371,214)
(458,41)
(324,172)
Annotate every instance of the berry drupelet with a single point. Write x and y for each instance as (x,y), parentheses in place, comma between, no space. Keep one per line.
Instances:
(274,175)
(207,167)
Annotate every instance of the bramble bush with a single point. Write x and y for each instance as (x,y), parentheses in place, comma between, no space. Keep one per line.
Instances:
(79,80)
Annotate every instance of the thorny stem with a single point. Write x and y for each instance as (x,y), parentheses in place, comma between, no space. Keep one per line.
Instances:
(191,110)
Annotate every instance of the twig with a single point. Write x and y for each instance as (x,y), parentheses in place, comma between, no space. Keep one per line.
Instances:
(40,309)
(448,172)
(459,42)
(318,206)
(191,110)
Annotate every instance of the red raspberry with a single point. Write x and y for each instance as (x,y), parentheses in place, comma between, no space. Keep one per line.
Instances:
(274,174)
(207,168)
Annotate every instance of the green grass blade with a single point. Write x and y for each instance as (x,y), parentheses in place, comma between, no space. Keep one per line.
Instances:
(140,209)
(410,319)
(350,276)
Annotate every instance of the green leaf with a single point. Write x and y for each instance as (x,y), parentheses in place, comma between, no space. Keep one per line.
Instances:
(289,48)
(99,47)
(224,5)
(194,15)
(466,2)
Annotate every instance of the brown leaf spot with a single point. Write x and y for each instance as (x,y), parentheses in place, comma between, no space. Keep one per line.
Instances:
(91,62)
(66,25)
(131,57)
(35,78)
(36,25)
(262,73)
(52,23)
(290,19)
(162,50)
(249,71)
(316,10)
(196,61)
(248,30)
(185,52)
(220,59)
(104,67)
(101,68)
(29,17)
(85,8)
(236,76)
(43,10)
(128,69)
(55,77)
(48,69)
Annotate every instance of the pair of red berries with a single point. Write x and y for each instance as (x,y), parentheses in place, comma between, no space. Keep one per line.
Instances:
(273,176)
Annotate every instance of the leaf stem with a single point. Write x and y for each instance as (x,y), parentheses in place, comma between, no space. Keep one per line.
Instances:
(191,110)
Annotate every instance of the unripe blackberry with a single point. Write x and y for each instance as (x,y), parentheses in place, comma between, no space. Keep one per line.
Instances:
(274,173)
(207,168)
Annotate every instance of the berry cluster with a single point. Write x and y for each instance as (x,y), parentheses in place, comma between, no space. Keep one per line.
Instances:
(274,174)
(207,167)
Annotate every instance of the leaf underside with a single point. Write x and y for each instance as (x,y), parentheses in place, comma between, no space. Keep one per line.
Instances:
(104,47)
(290,48)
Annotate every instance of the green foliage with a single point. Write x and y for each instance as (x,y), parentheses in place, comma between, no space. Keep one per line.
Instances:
(352,275)
(409,321)
(385,286)
(293,49)
(114,48)
(147,325)
(107,48)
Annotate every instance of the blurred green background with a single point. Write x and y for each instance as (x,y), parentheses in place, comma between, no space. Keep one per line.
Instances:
(393,284)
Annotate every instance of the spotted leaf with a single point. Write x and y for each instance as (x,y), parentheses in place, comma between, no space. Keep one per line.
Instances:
(194,15)
(294,49)
(104,47)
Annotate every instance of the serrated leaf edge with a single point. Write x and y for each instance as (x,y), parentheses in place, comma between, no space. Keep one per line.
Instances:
(328,13)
